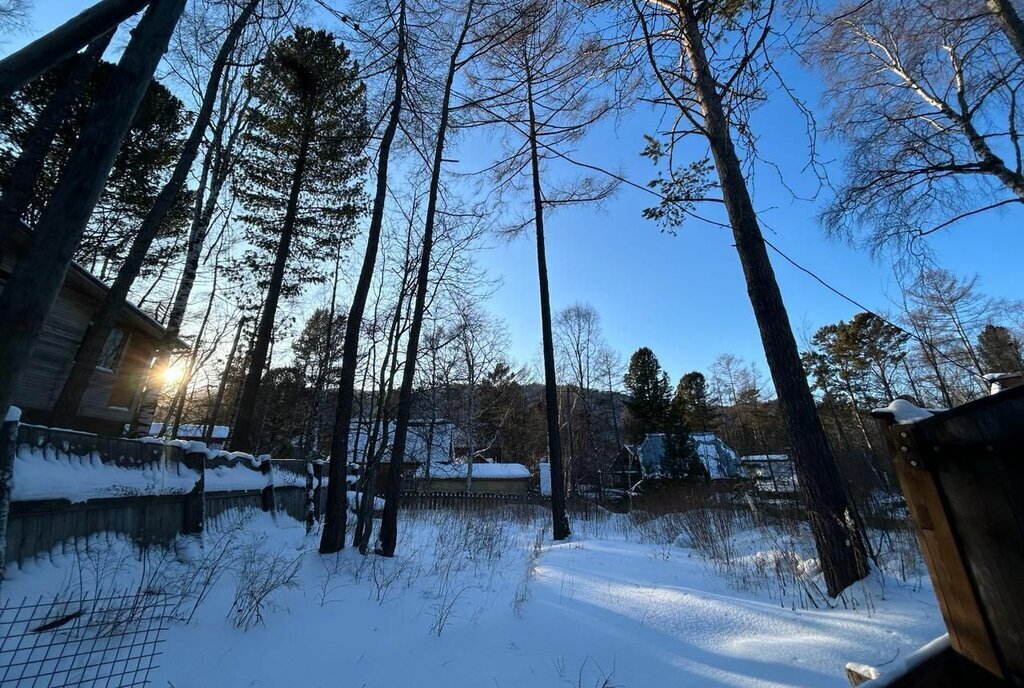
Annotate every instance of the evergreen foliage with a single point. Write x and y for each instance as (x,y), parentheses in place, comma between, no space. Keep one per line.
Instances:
(999,350)
(693,404)
(150,149)
(649,394)
(308,90)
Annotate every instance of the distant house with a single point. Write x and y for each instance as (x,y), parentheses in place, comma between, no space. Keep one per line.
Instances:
(773,473)
(189,431)
(428,441)
(114,397)
(491,478)
(636,462)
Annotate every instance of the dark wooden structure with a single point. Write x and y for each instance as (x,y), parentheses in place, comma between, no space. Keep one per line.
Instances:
(114,394)
(962,473)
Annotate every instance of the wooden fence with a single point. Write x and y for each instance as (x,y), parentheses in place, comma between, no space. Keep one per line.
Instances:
(472,501)
(36,526)
(962,473)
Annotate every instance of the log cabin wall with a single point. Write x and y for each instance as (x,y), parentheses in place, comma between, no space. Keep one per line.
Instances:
(106,407)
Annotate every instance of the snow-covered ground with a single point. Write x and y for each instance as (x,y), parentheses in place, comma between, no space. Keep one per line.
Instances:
(476,602)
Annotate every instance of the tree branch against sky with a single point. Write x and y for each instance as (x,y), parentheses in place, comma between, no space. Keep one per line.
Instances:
(926,96)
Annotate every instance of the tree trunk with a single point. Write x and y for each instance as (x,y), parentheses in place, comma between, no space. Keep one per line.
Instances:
(838,542)
(214,414)
(470,424)
(560,523)
(385,385)
(44,53)
(1010,23)
(215,171)
(389,519)
(17,192)
(103,322)
(333,538)
(324,367)
(243,438)
(39,274)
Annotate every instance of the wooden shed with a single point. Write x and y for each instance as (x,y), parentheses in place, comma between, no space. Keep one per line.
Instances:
(115,390)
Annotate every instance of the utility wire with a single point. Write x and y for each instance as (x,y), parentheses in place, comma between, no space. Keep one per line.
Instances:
(924,342)
(625,180)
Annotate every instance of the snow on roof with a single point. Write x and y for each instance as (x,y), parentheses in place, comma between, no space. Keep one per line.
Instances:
(761,458)
(488,471)
(718,458)
(13,414)
(193,431)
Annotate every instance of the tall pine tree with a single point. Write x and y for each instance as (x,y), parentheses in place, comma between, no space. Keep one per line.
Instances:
(649,395)
(692,403)
(301,183)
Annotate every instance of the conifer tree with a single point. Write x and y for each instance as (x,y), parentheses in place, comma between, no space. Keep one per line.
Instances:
(300,184)
(999,350)
(692,403)
(649,394)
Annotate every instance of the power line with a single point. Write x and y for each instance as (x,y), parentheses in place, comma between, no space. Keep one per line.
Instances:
(924,342)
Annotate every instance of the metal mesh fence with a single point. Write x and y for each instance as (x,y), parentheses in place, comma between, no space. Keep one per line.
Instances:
(70,640)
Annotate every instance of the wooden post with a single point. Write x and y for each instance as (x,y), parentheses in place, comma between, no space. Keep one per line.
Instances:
(959,472)
(318,489)
(310,497)
(195,501)
(8,448)
(267,496)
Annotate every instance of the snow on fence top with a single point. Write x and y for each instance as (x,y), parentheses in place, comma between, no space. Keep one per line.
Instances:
(47,472)
(484,471)
(51,463)
(903,412)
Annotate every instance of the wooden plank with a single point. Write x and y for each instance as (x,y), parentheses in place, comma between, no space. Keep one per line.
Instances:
(958,602)
(982,498)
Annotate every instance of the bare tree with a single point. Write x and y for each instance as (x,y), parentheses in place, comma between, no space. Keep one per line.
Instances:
(541,86)
(13,16)
(926,95)
(335,514)
(468,17)
(711,63)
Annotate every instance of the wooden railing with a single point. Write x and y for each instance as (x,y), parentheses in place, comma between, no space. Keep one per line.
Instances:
(962,473)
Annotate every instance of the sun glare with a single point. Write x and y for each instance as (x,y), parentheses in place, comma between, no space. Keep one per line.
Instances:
(173,373)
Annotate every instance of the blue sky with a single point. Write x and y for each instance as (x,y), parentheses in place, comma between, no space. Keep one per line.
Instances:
(684,296)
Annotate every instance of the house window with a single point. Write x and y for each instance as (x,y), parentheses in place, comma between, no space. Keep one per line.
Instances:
(113,350)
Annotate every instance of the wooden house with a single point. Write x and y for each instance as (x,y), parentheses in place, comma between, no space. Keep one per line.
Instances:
(640,462)
(113,398)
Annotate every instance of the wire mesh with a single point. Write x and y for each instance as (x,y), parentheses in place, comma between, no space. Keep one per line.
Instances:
(108,641)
